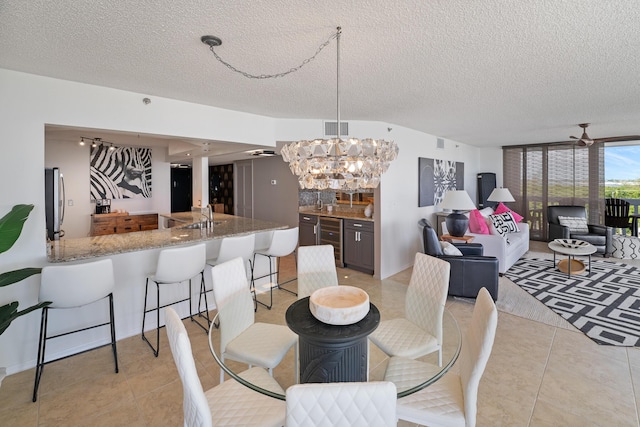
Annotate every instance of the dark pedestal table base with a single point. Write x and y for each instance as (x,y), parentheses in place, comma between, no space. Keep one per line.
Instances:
(331,353)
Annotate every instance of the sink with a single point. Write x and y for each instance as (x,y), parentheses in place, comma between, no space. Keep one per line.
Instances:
(202,224)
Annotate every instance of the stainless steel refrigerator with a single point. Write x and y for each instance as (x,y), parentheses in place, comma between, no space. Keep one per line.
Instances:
(54,202)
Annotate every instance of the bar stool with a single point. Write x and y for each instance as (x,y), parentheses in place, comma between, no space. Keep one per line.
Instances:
(283,243)
(176,265)
(236,247)
(73,286)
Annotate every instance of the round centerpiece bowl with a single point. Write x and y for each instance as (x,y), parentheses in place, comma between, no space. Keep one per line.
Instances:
(339,305)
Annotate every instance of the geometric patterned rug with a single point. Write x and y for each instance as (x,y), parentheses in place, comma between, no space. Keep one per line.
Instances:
(604,303)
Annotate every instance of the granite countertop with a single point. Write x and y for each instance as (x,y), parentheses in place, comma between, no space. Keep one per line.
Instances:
(97,246)
(337,213)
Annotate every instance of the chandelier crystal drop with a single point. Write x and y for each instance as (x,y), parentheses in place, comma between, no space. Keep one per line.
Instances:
(347,165)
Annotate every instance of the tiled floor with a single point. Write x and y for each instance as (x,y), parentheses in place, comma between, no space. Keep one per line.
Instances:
(537,375)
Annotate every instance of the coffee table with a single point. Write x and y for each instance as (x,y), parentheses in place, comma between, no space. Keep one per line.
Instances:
(571,264)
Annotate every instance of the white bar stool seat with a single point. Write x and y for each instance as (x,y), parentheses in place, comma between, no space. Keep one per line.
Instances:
(176,265)
(73,286)
(283,243)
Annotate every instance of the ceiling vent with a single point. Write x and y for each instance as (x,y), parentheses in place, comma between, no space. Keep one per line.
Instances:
(263,153)
(331,128)
(440,143)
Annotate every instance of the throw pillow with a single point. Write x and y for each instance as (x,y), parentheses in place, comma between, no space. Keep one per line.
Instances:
(501,208)
(485,212)
(449,249)
(503,223)
(477,223)
(575,224)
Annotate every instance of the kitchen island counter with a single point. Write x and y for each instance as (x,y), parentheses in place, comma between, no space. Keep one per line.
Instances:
(224,226)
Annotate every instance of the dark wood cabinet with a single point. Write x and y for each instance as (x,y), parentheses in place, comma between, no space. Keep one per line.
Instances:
(308,230)
(359,245)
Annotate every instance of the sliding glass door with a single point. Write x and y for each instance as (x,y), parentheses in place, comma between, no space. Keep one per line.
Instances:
(554,174)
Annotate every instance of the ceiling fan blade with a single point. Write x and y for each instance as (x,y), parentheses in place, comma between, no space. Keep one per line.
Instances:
(619,138)
(574,137)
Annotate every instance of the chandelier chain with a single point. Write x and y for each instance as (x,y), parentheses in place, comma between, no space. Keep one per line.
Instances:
(274,76)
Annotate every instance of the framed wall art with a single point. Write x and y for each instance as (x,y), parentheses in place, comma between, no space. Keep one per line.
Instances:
(120,172)
(436,177)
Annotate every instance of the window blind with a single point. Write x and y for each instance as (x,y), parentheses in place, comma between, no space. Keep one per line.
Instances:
(554,174)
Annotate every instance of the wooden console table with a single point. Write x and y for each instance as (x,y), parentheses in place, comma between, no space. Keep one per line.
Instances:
(118,222)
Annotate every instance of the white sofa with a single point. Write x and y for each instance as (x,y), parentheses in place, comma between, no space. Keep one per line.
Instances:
(508,250)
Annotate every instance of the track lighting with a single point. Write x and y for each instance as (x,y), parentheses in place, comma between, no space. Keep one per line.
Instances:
(97,141)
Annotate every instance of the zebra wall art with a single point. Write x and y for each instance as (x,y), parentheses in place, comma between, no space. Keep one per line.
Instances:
(120,173)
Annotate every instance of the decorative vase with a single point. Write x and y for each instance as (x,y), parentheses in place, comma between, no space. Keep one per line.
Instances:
(368,211)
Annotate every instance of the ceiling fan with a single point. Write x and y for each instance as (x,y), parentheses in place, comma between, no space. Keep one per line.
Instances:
(586,141)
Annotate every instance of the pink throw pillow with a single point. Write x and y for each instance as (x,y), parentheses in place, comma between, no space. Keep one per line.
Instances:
(477,223)
(502,209)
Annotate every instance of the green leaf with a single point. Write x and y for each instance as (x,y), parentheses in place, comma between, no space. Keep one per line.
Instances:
(11,225)
(9,312)
(15,276)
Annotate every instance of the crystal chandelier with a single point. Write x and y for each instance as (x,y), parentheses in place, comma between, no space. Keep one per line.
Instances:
(347,165)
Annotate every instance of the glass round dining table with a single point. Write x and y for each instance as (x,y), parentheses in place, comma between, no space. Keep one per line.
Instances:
(409,375)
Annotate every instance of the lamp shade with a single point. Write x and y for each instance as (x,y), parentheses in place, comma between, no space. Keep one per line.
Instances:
(457,200)
(500,195)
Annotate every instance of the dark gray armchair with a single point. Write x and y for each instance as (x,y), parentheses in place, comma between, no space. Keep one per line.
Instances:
(469,272)
(599,236)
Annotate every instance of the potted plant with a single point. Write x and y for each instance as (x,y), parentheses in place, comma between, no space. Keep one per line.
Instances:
(10,229)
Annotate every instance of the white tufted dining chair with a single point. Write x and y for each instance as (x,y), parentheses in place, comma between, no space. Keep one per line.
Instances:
(227,404)
(420,331)
(242,338)
(452,400)
(356,404)
(316,269)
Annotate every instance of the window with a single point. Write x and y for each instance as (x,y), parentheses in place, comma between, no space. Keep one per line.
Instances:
(554,174)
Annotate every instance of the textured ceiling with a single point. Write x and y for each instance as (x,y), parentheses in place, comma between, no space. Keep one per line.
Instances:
(485,72)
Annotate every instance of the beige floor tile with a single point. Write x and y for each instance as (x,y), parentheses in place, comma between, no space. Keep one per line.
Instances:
(145,376)
(163,406)
(83,400)
(66,372)
(546,414)
(17,390)
(537,375)
(21,415)
(125,414)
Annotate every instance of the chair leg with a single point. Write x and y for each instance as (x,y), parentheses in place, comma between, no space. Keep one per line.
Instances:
(270,284)
(206,304)
(222,370)
(155,350)
(288,281)
(112,322)
(41,348)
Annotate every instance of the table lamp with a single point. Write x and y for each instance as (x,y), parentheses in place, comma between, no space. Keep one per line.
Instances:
(500,195)
(458,201)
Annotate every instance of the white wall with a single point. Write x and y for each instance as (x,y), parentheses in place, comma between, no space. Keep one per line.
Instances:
(28,102)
